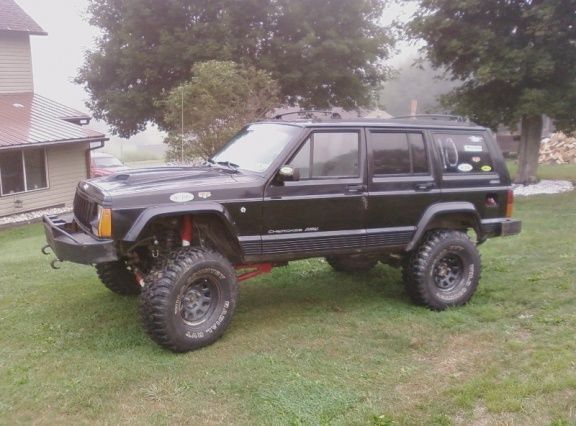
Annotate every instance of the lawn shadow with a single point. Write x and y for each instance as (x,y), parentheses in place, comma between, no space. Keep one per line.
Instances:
(292,292)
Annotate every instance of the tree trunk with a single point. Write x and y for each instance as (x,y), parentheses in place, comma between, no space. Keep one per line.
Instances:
(529,151)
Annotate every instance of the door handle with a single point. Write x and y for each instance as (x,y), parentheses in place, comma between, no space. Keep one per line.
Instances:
(355,189)
(427,186)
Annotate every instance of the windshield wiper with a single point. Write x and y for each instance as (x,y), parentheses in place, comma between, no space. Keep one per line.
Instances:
(229,164)
(226,164)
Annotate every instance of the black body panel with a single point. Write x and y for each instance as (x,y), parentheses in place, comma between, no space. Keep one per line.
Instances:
(271,219)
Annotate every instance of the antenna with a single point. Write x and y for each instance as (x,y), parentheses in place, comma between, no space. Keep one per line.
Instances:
(182,123)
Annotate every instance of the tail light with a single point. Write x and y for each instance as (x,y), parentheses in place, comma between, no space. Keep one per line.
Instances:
(509,203)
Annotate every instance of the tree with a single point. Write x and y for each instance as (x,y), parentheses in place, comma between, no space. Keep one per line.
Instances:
(219,99)
(517,59)
(320,51)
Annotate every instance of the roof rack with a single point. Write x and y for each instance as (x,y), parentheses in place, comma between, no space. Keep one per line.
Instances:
(446,117)
(308,114)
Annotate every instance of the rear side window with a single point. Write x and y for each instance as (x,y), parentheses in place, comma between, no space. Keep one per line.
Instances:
(398,153)
(329,155)
(464,153)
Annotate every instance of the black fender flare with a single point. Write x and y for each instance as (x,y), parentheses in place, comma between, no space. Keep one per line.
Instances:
(435,211)
(152,213)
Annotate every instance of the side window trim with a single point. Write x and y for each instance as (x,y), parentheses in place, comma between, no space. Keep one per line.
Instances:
(427,150)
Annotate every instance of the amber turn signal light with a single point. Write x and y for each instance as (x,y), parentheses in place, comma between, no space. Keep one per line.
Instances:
(104,223)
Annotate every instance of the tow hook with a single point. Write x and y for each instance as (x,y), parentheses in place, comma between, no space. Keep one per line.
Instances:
(46,252)
(54,264)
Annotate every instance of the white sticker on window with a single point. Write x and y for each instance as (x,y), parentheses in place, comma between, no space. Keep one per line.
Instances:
(465,167)
(476,139)
(473,148)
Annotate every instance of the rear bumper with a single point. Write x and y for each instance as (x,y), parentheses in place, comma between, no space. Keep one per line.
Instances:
(501,227)
(70,243)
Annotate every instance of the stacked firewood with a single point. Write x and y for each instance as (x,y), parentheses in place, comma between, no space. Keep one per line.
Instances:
(558,149)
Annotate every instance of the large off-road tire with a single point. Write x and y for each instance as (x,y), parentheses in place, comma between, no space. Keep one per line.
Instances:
(351,264)
(189,302)
(444,271)
(118,278)
(406,277)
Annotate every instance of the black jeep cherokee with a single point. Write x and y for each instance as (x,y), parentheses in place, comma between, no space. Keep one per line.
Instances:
(406,192)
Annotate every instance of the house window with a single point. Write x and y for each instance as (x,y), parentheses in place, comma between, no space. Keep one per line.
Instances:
(22,171)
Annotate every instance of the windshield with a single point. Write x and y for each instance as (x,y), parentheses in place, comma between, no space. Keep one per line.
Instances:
(255,147)
(107,162)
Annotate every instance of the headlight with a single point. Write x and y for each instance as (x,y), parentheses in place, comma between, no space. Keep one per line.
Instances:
(102,226)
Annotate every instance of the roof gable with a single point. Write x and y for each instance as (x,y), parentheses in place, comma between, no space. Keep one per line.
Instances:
(14,19)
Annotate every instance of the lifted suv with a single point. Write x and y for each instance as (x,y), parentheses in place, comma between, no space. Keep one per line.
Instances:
(405,192)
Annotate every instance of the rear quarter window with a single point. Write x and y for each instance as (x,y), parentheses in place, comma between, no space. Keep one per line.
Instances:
(464,153)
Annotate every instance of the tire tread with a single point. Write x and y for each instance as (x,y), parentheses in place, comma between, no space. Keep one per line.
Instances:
(117,278)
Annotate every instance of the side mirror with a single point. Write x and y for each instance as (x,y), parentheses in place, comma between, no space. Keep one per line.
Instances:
(288,174)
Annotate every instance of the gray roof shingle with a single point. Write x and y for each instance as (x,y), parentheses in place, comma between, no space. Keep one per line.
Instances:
(14,19)
(30,119)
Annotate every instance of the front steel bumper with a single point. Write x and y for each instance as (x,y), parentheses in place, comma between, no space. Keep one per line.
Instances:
(501,227)
(70,243)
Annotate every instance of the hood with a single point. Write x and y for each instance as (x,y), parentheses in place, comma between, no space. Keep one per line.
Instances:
(144,187)
(162,179)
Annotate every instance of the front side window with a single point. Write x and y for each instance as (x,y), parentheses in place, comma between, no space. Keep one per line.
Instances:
(22,171)
(329,155)
(464,153)
(398,153)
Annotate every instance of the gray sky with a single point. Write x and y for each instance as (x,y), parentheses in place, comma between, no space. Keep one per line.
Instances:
(58,56)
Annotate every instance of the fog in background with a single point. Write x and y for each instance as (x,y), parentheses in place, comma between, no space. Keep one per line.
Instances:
(58,56)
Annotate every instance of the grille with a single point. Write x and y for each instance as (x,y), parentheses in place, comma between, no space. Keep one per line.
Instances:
(84,210)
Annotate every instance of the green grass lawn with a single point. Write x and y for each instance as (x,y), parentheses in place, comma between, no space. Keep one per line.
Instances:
(548,171)
(307,345)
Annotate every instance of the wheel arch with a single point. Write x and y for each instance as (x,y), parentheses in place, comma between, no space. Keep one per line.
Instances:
(452,215)
(213,215)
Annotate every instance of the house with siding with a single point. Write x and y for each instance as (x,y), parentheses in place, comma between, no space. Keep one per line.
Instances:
(44,145)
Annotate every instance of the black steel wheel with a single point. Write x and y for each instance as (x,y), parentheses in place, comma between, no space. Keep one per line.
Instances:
(118,278)
(444,271)
(189,302)
(197,300)
(351,264)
